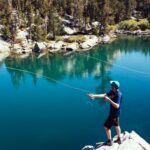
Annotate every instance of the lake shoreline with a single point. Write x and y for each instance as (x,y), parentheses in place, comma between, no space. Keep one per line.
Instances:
(65,46)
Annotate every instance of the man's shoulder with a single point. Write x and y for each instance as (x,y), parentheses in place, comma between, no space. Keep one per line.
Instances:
(119,92)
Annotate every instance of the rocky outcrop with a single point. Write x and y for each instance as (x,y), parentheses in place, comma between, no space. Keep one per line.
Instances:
(4,46)
(90,42)
(4,49)
(3,56)
(131,141)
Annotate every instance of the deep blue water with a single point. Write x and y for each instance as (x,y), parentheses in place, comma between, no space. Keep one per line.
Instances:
(47,113)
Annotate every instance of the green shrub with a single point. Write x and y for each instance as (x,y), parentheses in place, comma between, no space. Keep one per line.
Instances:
(130,25)
(71,39)
(59,38)
(111,27)
(147,30)
(95,30)
(143,24)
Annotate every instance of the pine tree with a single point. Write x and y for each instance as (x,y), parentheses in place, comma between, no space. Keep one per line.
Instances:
(43,17)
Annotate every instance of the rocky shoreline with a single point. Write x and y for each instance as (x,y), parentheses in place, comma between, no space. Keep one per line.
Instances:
(131,141)
(136,32)
(24,47)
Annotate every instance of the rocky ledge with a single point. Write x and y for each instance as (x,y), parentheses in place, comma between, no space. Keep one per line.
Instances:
(131,141)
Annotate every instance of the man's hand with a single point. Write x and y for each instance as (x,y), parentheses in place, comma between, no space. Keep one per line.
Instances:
(91,96)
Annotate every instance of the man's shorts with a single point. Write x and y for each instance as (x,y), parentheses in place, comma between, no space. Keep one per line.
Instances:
(111,121)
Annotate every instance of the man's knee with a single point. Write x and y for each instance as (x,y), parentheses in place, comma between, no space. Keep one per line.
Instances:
(117,127)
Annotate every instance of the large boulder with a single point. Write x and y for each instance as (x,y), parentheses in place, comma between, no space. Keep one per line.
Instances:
(39,47)
(4,46)
(106,39)
(56,45)
(22,34)
(92,41)
(3,56)
(72,47)
(4,49)
(69,30)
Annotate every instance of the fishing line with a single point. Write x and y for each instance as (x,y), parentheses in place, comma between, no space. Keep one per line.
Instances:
(50,78)
(119,66)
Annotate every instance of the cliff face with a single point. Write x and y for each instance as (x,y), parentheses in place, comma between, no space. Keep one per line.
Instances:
(131,141)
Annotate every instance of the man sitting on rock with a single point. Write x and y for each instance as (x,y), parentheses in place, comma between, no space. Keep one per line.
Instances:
(114,96)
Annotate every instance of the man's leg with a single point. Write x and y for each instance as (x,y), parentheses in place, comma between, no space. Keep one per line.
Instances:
(108,133)
(118,131)
(107,126)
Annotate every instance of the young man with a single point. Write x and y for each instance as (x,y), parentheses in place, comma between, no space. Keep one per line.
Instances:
(114,96)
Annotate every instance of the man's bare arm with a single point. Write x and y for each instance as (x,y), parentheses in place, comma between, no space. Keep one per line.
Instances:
(92,96)
(113,103)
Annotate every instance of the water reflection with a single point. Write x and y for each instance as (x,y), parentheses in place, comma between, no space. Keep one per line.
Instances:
(77,65)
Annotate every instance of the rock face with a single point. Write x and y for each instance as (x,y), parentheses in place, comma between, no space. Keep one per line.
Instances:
(131,141)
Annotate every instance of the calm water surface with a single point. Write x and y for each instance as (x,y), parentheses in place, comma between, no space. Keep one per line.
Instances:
(41,113)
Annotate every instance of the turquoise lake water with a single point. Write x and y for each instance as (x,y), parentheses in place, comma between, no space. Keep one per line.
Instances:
(53,112)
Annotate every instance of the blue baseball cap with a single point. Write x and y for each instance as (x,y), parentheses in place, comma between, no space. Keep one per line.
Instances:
(116,84)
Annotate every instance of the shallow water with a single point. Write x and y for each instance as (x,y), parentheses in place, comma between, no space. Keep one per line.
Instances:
(48,108)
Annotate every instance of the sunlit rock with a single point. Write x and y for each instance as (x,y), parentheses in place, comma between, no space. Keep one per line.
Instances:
(106,39)
(92,41)
(4,46)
